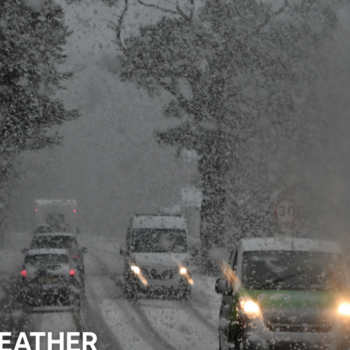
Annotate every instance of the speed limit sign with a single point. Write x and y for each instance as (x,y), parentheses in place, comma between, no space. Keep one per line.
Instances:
(286,211)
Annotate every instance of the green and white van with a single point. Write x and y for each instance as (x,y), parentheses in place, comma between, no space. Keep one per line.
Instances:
(284,293)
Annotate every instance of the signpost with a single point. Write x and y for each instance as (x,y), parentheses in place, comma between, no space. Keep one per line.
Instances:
(286,211)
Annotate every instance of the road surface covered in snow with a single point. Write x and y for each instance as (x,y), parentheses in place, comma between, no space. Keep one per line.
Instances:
(143,324)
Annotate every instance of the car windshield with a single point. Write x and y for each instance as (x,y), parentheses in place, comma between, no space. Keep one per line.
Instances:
(159,241)
(298,270)
(44,259)
(43,229)
(65,242)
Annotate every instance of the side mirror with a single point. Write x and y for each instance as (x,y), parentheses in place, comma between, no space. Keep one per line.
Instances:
(223,287)
(25,250)
(84,250)
(123,250)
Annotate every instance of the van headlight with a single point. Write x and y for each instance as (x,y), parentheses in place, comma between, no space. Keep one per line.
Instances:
(250,308)
(344,309)
(135,269)
(183,270)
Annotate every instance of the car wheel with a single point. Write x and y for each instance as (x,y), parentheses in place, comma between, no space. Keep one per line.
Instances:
(186,296)
(76,302)
(82,280)
(130,291)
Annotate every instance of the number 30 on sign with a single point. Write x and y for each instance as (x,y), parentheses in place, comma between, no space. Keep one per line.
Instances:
(286,211)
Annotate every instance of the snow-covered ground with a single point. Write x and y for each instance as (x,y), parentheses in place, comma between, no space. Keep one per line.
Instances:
(118,323)
(151,324)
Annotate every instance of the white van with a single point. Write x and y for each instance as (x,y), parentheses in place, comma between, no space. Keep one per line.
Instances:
(157,258)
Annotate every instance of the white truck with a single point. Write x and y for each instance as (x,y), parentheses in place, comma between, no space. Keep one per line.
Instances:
(56,215)
(157,257)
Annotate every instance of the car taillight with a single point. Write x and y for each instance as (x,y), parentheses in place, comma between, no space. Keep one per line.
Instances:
(24,273)
(71,272)
(75,256)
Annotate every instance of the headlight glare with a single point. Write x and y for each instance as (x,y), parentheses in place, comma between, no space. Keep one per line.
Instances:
(344,309)
(250,308)
(183,270)
(135,269)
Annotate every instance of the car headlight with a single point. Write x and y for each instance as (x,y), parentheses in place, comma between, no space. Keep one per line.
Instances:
(250,308)
(344,309)
(183,270)
(135,269)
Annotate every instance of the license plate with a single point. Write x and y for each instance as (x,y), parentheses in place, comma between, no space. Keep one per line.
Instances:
(48,279)
(158,283)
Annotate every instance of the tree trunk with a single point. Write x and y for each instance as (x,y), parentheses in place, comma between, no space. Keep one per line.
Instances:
(213,207)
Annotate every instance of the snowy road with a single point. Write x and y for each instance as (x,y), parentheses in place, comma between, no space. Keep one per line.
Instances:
(145,324)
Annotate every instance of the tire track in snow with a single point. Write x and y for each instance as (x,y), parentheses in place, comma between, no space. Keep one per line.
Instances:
(92,320)
(144,327)
(188,308)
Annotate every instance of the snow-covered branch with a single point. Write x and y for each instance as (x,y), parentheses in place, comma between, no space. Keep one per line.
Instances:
(157,7)
(183,14)
(120,23)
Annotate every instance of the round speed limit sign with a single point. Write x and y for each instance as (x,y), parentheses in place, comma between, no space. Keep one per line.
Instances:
(286,211)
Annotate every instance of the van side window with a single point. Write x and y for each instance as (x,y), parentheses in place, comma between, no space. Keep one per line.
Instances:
(235,261)
(128,238)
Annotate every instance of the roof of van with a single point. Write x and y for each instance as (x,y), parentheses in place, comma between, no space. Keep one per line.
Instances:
(289,243)
(55,234)
(158,221)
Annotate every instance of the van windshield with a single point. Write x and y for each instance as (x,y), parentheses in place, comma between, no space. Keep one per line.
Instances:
(293,270)
(159,241)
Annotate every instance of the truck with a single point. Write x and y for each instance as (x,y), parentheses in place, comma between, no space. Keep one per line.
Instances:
(284,293)
(157,258)
(56,215)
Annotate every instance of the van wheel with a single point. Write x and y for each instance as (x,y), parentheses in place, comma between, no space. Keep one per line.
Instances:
(224,343)
(129,292)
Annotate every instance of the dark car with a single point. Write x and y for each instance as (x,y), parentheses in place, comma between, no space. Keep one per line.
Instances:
(49,279)
(43,228)
(61,240)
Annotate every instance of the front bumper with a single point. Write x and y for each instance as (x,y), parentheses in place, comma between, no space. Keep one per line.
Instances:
(35,295)
(175,288)
(257,335)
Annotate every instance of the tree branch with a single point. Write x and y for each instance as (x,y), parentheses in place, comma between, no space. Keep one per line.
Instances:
(269,17)
(286,4)
(168,88)
(157,7)
(183,14)
(120,23)
(192,11)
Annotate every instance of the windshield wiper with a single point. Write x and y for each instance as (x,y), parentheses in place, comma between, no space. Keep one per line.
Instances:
(318,282)
(281,279)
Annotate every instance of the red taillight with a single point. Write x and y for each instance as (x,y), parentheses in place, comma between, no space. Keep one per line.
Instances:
(74,210)
(24,273)
(36,210)
(71,272)
(75,256)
